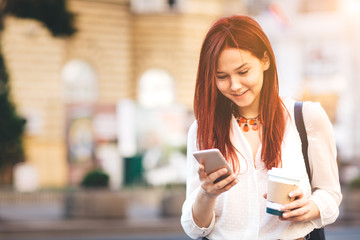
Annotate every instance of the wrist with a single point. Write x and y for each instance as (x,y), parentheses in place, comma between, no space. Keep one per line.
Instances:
(203,208)
(314,210)
(205,196)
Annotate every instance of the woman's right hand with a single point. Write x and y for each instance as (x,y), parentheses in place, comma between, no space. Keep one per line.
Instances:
(205,202)
(212,189)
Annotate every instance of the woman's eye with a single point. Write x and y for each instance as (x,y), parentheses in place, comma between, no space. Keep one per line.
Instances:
(221,76)
(243,72)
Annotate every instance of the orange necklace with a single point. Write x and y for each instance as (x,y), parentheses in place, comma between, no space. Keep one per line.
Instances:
(246,122)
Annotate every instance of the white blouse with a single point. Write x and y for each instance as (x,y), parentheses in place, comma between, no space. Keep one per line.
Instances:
(240,212)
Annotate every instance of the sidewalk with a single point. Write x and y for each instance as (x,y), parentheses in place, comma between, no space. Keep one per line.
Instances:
(146,228)
(39,219)
(47,220)
(78,227)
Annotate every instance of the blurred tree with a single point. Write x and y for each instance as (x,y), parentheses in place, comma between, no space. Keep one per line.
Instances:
(59,21)
(53,13)
(11,130)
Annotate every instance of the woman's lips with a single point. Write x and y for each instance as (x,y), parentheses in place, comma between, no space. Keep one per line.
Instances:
(240,94)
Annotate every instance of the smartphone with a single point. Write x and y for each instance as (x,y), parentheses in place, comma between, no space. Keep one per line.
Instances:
(213,161)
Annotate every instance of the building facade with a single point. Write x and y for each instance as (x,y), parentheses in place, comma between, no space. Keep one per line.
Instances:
(116,43)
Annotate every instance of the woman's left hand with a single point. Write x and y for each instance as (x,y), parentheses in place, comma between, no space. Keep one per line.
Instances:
(301,209)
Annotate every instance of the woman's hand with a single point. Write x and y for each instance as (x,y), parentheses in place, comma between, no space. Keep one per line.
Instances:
(301,209)
(212,189)
(204,205)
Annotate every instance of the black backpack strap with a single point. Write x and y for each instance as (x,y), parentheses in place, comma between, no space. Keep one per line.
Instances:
(299,121)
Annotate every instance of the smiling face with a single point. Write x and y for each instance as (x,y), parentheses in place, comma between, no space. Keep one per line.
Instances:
(239,77)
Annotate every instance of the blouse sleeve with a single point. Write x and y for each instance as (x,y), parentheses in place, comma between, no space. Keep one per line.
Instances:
(322,159)
(193,185)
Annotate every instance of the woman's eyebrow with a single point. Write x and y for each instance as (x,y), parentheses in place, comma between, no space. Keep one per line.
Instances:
(238,68)
(241,66)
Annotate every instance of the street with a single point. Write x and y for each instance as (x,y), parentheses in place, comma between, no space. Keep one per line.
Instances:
(332,233)
(46,222)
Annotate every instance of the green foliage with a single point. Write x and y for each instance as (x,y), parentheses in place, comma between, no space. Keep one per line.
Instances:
(355,183)
(95,179)
(59,21)
(52,13)
(11,125)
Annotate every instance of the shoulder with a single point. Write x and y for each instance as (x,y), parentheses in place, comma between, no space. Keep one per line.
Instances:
(315,117)
(314,114)
(192,137)
(288,103)
(316,120)
(193,129)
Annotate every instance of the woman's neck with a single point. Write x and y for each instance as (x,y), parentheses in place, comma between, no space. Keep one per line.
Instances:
(247,113)
(250,111)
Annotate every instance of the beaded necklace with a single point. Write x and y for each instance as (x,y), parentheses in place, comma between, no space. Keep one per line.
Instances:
(248,121)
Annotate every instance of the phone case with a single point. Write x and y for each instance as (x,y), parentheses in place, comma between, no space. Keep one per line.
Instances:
(213,161)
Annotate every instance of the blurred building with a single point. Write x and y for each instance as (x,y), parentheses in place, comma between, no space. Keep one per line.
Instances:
(316,45)
(55,81)
(126,47)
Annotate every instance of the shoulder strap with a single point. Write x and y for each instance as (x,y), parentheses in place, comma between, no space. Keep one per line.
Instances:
(299,121)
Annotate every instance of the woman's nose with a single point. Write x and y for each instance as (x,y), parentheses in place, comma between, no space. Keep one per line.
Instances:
(235,83)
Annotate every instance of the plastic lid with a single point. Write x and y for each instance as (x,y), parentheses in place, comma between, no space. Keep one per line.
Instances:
(283,173)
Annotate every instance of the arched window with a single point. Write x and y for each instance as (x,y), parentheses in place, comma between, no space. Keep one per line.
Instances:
(156,89)
(80,82)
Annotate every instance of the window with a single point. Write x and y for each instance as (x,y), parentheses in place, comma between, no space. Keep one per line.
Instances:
(80,82)
(156,89)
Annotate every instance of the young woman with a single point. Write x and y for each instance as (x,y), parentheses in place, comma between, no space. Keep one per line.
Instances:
(238,110)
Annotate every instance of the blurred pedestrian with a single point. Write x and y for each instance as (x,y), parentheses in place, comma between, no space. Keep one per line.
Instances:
(238,110)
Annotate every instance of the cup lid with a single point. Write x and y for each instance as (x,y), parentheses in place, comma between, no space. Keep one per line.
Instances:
(283,173)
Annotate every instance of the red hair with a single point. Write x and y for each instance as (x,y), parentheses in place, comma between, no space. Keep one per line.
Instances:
(213,111)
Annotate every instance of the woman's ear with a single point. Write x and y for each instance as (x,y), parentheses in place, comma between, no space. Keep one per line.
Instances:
(265,61)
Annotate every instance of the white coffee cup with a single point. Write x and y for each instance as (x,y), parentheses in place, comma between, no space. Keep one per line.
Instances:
(280,184)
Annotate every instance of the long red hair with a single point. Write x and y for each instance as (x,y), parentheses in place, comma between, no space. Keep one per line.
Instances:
(213,111)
